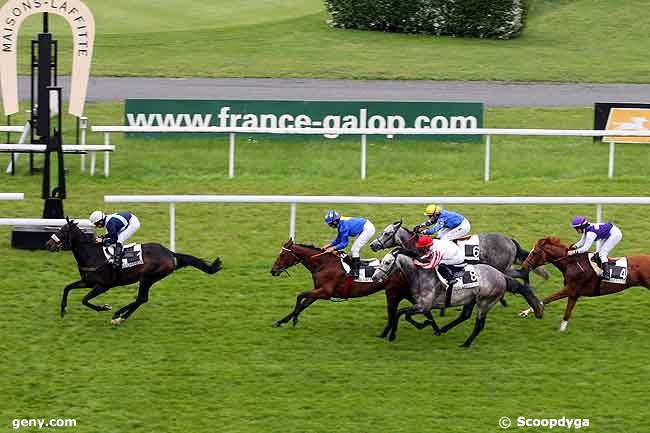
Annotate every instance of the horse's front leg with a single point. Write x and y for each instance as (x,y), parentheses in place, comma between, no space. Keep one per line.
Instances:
(96,291)
(303,300)
(464,315)
(567,312)
(409,311)
(66,290)
(554,297)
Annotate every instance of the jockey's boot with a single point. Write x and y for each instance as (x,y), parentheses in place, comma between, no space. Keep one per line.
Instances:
(606,269)
(356,264)
(117,257)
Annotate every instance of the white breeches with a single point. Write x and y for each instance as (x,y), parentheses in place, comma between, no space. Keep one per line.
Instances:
(608,244)
(455,233)
(134,225)
(456,259)
(362,239)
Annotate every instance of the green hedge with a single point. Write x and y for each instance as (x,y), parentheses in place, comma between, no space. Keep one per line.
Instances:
(501,19)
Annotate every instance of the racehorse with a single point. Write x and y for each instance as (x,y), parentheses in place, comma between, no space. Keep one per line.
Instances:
(496,250)
(99,275)
(428,292)
(330,281)
(579,277)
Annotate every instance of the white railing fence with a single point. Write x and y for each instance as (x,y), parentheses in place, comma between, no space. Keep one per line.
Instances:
(11,196)
(364,132)
(43,222)
(293,201)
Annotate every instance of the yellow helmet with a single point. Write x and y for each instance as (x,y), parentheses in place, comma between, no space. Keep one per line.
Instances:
(432,209)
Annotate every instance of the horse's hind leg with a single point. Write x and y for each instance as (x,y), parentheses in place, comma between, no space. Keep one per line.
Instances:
(96,291)
(143,296)
(64,300)
(464,315)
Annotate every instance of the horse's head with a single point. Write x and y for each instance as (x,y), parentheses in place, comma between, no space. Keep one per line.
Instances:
(64,237)
(386,267)
(286,259)
(545,250)
(394,235)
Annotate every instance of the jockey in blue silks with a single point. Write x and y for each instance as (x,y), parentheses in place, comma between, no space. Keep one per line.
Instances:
(449,225)
(606,232)
(349,227)
(119,227)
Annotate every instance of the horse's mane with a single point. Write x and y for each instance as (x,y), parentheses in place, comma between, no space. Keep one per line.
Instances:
(401,225)
(554,240)
(314,247)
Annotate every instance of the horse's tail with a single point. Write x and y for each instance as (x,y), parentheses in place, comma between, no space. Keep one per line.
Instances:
(527,292)
(521,255)
(183,260)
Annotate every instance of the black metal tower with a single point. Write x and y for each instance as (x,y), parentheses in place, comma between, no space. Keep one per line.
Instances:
(44,81)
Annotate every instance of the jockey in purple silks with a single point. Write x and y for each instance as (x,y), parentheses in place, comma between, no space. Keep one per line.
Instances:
(606,232)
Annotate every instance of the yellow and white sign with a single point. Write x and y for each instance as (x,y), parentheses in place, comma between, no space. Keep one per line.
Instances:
(628,119)
(82,23)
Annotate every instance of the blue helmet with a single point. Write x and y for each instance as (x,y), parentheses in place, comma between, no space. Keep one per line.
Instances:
(579,222)
(332,216)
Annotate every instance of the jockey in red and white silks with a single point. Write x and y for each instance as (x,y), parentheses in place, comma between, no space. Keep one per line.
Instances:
(439,251)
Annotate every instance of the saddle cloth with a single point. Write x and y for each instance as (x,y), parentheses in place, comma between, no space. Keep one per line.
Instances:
(366,270)
(468,280)
(131,255)
(618,272)
(470,246)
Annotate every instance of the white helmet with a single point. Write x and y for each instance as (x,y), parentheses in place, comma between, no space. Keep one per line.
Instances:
(96,216)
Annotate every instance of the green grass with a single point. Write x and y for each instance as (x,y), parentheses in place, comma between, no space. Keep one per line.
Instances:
(201,356)
(580,41)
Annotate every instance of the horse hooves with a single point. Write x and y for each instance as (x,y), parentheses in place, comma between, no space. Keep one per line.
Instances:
(277,324)
(118,321)
(465,345)
(106,307)
(294,323)
(438,333)
(63,311)
(524,313)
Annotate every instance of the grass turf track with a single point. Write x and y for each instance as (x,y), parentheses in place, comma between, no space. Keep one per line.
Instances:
(201,356)
(575,41)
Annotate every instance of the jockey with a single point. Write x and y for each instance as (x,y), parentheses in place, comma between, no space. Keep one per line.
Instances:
(607,232)
(119,227)
(347,227)
(442,253)
(448,225)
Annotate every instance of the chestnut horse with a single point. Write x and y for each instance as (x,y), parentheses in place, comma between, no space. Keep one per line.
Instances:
(330,281)
(579,277)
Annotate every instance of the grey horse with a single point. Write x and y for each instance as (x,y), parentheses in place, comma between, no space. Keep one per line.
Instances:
(428,293)
(496,250)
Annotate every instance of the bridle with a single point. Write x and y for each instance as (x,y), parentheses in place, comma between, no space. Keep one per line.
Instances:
(395,252)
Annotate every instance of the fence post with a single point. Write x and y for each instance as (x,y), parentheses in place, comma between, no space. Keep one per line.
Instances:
(292,222)
(599,218)
(364,143)
(486,174)
(83,124)
(610,169)
(231,156)
(172,227)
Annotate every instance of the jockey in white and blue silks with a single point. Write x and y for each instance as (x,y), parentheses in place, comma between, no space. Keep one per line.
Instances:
(361,228)
(119,227)
(606,232)
(449,225)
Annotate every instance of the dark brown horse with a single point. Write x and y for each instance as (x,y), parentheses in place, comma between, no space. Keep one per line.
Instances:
(579,277)
(97,274)
(330,281)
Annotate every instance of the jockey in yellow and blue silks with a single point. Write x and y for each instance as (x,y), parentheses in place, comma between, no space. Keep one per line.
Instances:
(349,227)
(449,225)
